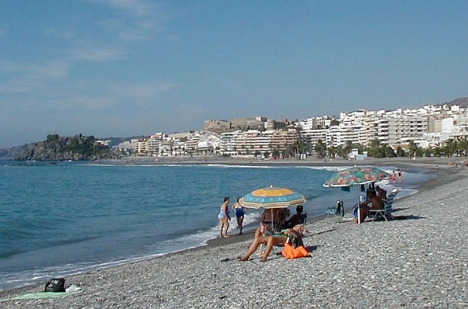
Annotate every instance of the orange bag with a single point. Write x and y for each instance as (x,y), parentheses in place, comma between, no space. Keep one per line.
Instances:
(290,252)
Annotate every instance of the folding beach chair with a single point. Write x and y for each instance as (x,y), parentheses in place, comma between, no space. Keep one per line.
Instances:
(386,212)
(303,218)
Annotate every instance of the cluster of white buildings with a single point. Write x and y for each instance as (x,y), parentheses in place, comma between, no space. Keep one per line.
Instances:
(428,126)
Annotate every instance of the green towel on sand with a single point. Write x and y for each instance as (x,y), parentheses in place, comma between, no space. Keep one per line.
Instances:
(42,295)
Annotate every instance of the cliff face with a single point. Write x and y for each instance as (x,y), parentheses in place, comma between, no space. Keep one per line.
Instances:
(66,148)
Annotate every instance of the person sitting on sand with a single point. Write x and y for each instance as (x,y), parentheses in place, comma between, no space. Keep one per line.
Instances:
(381,193)
(264,230)
(373,202)
(295,219)
(274,217)
(270,241)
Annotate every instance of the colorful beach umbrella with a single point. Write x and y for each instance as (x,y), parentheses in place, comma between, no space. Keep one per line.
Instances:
(358,175)
(272,197)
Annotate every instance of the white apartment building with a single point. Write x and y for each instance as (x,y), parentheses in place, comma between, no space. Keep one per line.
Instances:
(406,128)
(153,143)
(341,134)
(381,130)
(308,124)
(252,142)
(228,143)
(208,142)
(323,122)
(426,126)
(313,136)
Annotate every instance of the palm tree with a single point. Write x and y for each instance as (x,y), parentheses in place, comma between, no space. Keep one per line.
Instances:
(340,151)
(463,145)
(276,153)
(374,148)
(413,149)
(361,148)
(299,144)
(436,150)
(320,149)
(400,151)
(450,147)
(428,151)
(388,151)
(331,151)
(347,149)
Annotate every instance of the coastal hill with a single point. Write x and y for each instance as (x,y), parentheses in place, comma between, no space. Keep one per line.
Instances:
(74,148)
(462,102)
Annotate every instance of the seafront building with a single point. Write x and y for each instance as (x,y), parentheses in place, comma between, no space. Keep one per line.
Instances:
(428,126)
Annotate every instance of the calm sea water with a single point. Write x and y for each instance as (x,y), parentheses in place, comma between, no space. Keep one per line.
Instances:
(66,218)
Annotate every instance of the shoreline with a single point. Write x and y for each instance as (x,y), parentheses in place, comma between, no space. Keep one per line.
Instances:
(404,161)
(444,175)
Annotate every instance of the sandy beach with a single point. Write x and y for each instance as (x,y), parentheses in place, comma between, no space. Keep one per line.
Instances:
(418,261)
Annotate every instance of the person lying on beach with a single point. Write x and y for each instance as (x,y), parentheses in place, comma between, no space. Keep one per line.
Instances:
(373,202)
(272,240)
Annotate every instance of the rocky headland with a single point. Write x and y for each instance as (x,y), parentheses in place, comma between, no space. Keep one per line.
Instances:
(56,148)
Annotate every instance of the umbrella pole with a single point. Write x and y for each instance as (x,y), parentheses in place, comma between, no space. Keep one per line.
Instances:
(359,206)
(273,219)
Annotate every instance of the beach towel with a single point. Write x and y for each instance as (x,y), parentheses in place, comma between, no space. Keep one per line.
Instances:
(290,252)
(41,295)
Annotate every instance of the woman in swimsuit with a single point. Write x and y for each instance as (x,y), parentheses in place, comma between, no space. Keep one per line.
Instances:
(272,240)
(223,217)
(239,210)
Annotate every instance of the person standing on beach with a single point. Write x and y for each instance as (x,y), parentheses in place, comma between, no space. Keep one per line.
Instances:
(400,176)
(223,217)
(240,212)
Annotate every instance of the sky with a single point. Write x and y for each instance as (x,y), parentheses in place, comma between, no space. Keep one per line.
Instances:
(119,68)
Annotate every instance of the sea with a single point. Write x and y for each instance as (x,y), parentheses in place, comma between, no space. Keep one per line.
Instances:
(63,218)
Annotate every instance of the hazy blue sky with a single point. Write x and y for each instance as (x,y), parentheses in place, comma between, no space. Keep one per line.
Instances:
(136,67)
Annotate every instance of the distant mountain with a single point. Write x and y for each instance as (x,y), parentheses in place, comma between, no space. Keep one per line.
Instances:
(462,102)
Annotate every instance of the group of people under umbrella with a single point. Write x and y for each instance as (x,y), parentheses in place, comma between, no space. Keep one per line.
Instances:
(274,229)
